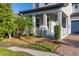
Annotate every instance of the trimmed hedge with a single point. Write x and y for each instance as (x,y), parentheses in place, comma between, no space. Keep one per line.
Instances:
(57,31)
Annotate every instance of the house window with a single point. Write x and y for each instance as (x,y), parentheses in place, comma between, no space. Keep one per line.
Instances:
(64,22)
(48,20)
(37,22)
(46,3)
(76,6)
(37,5)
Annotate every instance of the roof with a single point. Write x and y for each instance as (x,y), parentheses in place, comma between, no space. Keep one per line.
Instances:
(59,5)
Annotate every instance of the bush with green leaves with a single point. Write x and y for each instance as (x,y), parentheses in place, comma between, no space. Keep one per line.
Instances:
(6,23)
(42,34)
(57,31)
(11,24)
(23,24)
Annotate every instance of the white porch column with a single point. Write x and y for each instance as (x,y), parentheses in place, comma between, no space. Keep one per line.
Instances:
(45,28)
(52,24)
(69,25)
(60,21)
(45,21)
(34,24)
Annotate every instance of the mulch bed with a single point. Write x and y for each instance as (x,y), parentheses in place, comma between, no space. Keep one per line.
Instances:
(25,41)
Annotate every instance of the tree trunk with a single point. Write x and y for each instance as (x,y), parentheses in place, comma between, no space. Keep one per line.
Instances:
(9,35)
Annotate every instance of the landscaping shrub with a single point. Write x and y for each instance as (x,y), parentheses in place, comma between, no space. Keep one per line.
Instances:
(42,34)
(57,31)
(30,33)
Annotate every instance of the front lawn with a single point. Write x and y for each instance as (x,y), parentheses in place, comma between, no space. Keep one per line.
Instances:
(33,43)
(44,47)
(6,52)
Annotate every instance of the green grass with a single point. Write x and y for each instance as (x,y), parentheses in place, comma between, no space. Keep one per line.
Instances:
(6,52)
(44,47)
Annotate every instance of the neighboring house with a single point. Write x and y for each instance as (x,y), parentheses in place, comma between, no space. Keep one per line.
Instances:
(46,15)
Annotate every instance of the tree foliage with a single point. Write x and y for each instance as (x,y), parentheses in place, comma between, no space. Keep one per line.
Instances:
(5,19)
(11,25)
(24,24)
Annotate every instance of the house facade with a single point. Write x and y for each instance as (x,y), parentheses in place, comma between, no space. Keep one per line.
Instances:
(45,16)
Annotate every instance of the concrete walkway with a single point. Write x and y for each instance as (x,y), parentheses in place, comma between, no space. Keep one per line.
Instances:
(31,51)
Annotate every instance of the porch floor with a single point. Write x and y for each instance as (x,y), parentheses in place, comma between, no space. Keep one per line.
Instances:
(70,47)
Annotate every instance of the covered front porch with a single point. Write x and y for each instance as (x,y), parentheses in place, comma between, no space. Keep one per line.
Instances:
(44,23)
(44,20)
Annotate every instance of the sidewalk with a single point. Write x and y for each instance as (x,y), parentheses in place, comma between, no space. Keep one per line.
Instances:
(31,51)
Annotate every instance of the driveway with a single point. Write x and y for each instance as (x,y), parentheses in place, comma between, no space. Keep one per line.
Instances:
(70,47)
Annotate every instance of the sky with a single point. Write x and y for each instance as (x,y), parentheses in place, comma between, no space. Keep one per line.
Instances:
(16,7)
